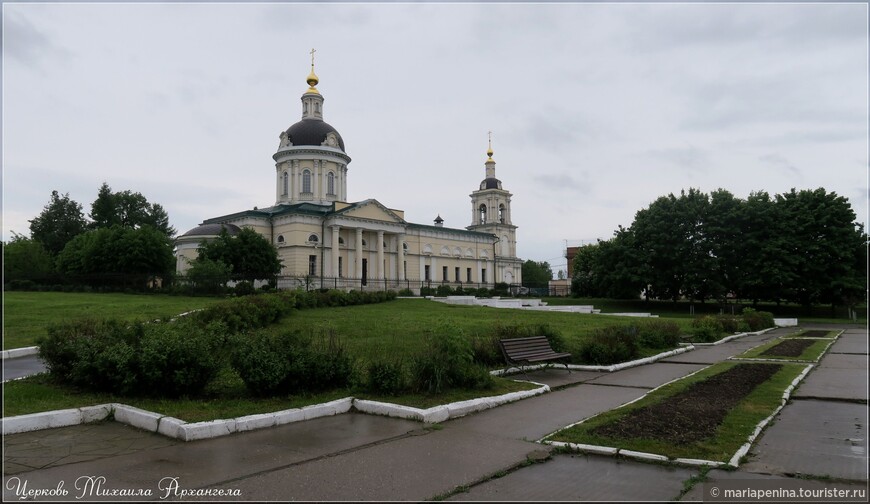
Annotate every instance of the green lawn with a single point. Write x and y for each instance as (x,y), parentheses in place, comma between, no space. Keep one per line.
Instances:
(730,436)
(26,315)
(397,327)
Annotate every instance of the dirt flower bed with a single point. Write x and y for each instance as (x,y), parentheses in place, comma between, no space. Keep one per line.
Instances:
(789,348)
(695,413)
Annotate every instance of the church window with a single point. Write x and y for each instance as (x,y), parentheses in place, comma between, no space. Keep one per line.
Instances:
(444,273)
(501,213)
(405,247)
(426,273)
(306,181)
(330,184)
(280,238)
(340,240)
(482,275)
(317,108)
(365,244)
(286,183)
(482,211)
(340,272)
(456,271)
(312,265)
(468,275)
(313,238)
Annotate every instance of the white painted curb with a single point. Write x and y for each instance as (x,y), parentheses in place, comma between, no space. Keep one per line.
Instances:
(643,455)
(19,352)
(586,448)
(607,369)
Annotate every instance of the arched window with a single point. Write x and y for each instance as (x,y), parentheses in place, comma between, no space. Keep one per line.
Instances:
(330,183)
(280,238)
(364,244)
(482,211)
(501,213)
(313,238)
(306,181)
(340,240)
(286,183)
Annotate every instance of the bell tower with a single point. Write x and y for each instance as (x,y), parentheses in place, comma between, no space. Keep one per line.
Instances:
(491,213)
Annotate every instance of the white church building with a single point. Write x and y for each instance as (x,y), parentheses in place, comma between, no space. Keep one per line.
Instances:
(325,241)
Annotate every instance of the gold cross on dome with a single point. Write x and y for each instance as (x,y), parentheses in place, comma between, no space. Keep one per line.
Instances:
(490,138)
(313,50)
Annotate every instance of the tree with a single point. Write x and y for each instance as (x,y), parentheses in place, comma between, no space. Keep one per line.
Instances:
(209,276)
(24,258)
(536,274)
(821,235)
(118,251)
(127,209)
(250,256)
(60,221)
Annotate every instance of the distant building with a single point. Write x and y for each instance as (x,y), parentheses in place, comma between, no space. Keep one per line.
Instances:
(327,241)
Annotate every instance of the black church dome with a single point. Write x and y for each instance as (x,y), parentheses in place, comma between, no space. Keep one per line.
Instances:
(312,132)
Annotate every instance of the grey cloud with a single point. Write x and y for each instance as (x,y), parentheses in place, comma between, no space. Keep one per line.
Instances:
(687,158)
(25,43)
(780,163)
(565,182)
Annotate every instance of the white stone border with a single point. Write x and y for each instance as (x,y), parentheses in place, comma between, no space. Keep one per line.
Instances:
(614,452)
(734,337)
(19,352)
(607,369)
(179,429)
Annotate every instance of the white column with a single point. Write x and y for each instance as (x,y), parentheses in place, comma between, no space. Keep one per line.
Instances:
(380,270)
(335,250)
(359,252)
(400,257)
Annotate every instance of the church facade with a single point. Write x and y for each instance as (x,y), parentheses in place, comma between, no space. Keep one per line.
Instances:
(325,241)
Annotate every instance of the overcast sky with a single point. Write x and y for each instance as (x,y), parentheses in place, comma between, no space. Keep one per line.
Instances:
(596,109)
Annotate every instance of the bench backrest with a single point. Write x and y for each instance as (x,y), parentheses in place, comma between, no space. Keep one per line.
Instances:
(522,347)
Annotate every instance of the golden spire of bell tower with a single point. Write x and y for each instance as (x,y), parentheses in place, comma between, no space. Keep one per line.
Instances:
(312,79)
(489,150)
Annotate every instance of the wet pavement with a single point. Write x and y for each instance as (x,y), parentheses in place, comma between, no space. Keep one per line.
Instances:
(485,456)
(20,367)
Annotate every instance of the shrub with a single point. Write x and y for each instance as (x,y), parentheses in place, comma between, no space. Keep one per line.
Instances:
(405,293)
(22,285)
(443,291)
(610,345)
(386,377)
(658,334)
(427,291)
(244,289)
(289,363)
(757,320)
(706,329)
(730,324)
(447,361)
(486,351)
(554,337)
(180,359)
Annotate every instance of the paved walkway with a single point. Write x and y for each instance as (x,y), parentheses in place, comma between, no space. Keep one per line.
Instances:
(486,456)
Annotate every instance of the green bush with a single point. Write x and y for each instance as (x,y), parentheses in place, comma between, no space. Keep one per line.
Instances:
(386,377)
(405,293)
(729,323)
(485,350)
(706,329)
(244,289)
(290,363)
(447,361)
(610,345)
(757,320)
(427,291)
(658,334)
(180,359)
(157,359)
(443,291)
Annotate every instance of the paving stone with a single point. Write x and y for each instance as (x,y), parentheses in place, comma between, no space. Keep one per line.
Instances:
(583,478)
(558,377)
(834,383)
(22,366)
(844,361)
(821,438)
(649,376)
(850,343)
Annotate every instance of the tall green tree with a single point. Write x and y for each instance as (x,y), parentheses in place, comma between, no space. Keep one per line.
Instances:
(536,273)
(821,237)
(127,209)
(60,221)
(250,256)
(24,258)
(118,251)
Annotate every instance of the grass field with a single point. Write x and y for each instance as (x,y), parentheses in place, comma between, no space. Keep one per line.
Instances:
(398,327)
(731,434)
(27,315)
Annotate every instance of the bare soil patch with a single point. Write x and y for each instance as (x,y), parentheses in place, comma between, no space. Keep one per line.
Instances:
(789,348)
(813,334)
(695,413)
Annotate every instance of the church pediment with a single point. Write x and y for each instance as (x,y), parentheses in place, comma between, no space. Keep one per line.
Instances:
(369,210)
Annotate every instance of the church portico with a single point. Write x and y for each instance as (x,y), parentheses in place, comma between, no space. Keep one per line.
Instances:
(324,241)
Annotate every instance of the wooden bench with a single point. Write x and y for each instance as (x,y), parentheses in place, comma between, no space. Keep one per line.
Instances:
(519,352)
